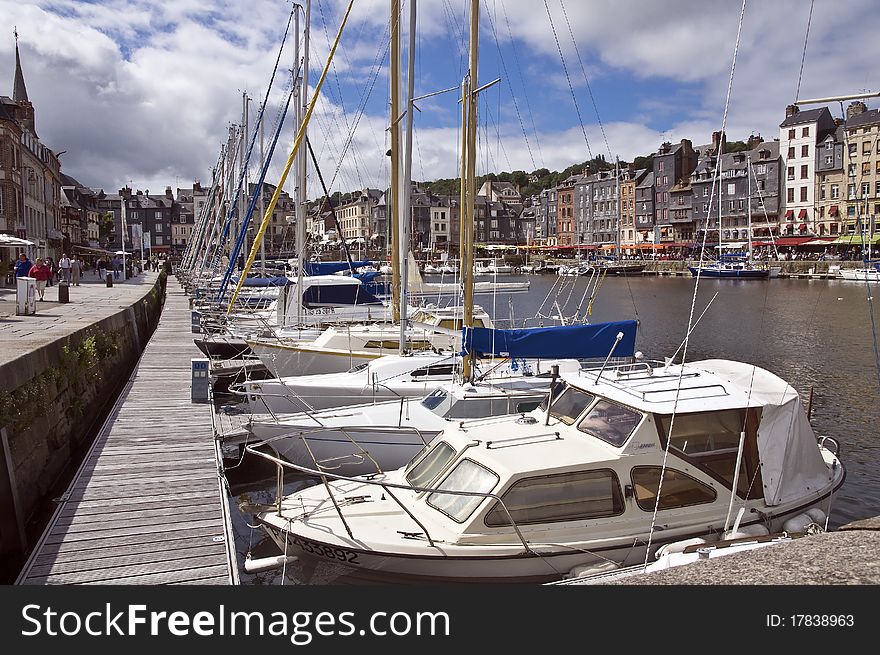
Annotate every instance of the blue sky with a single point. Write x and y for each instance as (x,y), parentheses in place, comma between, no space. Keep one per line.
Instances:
(143,92)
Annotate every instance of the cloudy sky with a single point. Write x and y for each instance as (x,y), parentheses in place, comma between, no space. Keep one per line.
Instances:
(143,92)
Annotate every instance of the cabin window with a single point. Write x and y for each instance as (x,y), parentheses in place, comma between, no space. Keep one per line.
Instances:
(434,399)
(569,404)
(562,497)
(430,465)
(610,422)
(678,489)
(450,324)
(359,367)
(466,476)
(492,406)
(710,440)
(444,370)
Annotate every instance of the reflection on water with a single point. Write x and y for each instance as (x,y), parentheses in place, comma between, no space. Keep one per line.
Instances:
(815,334)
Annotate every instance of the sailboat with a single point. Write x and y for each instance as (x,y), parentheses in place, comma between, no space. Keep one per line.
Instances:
(733,265)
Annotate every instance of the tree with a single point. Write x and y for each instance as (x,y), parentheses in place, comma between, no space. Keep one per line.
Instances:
(105,230)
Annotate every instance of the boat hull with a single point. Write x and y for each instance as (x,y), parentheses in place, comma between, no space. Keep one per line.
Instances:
(223,347)
(860,274)
(733,274)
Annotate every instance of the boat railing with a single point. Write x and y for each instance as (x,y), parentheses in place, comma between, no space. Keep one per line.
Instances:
(386,487)
(631,378)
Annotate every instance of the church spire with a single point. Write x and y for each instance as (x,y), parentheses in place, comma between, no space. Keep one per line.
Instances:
(19,90)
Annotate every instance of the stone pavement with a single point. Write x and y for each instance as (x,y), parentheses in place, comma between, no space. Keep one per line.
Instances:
(89,303)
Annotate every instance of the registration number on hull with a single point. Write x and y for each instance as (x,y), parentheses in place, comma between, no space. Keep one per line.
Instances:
(324,550)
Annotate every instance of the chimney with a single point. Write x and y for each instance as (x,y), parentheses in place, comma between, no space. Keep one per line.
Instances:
(168,193)
(754,141)
(665,147)
(719,142)
(791,110)
(855,108)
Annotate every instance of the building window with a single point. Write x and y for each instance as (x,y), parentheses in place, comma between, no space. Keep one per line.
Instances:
(866,189)
(866,168)
(803,194)
(805,132)
(852,148)
(829,160)
(835,191)
(158,216)
(761,169)
(790,194)
(804,172)
(822,192)
(790,172)
(791,134)
(866,148)
(791,152)
(805,151)
(731,189)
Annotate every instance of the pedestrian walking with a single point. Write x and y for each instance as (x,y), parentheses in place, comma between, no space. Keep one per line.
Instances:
(102,265)
(116,266)
(23,266)
(50,263)
(42,273)
(76,269)
(64,268)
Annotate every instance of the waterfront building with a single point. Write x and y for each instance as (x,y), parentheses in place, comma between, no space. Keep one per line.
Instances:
(831,202)
(644,208)
(30,174)
(672,164)
(628,234)
(862,159)
(565,222)
(798,137)
(765,188)
(583,207)
(604,215)
(356,214)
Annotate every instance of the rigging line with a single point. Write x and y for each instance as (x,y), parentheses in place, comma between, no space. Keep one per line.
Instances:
(253,140)
(797,94)
(332,210)
(568,78)
(523,87)
(286,171)
(258,190)
(694,299)
(512,92)
(586,79)
(362,108)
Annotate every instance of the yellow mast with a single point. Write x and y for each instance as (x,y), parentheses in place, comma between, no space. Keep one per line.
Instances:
(469,185)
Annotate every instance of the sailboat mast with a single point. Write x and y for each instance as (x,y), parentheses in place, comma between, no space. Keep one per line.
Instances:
(406,214)
(260,191)
(244,169)
(302,197)
(470,187)
(393,208)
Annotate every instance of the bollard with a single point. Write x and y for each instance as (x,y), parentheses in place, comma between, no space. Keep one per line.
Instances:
(109,279)
(63,291)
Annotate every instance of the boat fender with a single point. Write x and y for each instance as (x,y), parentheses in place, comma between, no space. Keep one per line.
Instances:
(267,563)
(755,530)
(586,570)
(817,515)
(678,546)
(797,523)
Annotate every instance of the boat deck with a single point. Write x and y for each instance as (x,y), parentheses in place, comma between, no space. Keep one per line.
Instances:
(147,505)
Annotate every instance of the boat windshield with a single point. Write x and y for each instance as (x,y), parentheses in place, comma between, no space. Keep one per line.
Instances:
(610,422)
(466,476)
(429,467)
(569,404)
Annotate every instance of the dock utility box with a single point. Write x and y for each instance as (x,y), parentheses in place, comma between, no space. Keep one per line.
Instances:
(200,381)
(25,296)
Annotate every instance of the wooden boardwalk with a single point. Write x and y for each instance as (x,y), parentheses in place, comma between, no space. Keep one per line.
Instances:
(147,505)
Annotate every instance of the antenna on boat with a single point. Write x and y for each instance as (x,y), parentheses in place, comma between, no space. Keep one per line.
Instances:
(610,352)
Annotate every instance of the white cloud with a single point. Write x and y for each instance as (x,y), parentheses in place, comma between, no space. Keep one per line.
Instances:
(145,91)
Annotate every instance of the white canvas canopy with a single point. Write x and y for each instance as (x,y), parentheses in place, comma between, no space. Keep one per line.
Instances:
(790,459)
(14,242)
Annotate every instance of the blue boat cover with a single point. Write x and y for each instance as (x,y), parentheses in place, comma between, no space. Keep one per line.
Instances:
(563,342)
(329,268)
(279,281)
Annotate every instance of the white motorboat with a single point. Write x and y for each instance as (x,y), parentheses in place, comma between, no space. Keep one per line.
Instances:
(623,461)
(339,349)
(354,440)
(863,274)
(390,377)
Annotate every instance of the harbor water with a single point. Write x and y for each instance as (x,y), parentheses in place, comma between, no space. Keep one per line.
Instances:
(819,335)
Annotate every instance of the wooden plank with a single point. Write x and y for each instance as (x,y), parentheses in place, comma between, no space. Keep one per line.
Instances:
(102,543)
(183,557)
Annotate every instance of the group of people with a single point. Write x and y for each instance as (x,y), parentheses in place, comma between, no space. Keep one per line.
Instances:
(68,270)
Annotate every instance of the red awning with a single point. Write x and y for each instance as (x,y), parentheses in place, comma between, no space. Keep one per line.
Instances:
(789,213)
(792,241)
(802,213)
